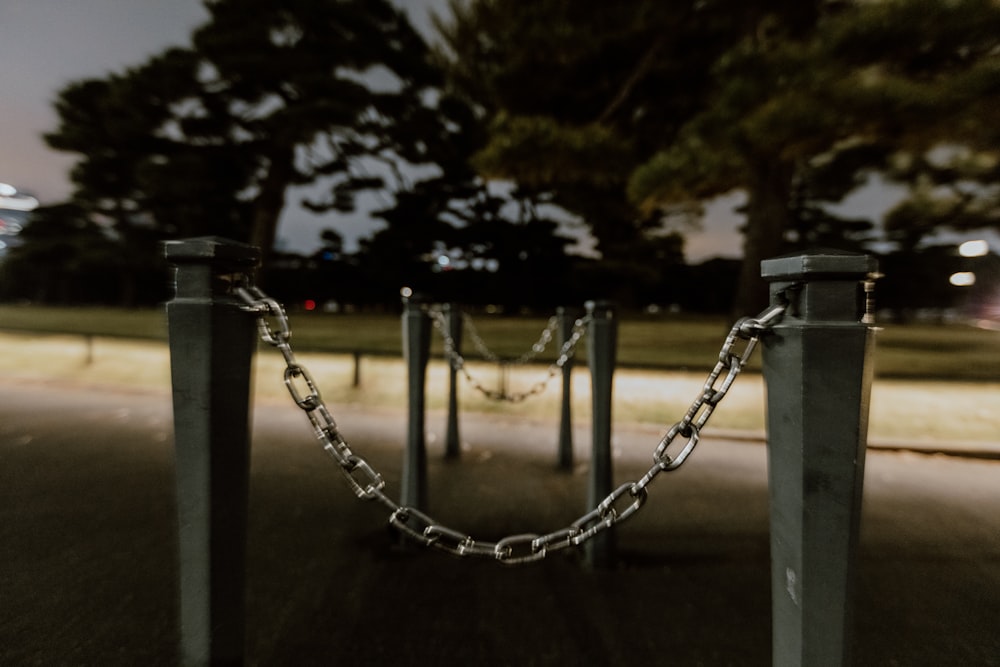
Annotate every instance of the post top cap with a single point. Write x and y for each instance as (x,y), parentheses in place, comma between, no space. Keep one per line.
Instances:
(595,306)
(211,249)
(819,264)
(409,295)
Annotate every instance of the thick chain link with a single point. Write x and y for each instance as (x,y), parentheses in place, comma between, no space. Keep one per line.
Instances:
(457,361)
(619,505)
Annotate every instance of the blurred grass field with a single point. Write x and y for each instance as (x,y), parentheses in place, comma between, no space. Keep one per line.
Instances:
(915,351)
(933,382)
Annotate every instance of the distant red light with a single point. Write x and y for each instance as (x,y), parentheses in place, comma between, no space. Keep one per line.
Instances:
(310,304)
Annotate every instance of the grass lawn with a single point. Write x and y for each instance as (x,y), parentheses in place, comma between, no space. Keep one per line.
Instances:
(924,352)
(934,382)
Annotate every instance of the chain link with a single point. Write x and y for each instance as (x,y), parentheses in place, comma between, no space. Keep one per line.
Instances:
(619,505)
(536,348)
(458,362)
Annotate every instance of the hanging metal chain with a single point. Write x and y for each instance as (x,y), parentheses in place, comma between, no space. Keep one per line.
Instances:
(537,348)
(566,353)
(618,506)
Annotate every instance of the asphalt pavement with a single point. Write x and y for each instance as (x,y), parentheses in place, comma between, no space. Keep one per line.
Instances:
(89,566)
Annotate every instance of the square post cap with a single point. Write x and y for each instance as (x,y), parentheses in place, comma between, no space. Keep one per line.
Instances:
(212,250)
(600,309)
(412,298)
(828,285)
(818,265)
(207,268)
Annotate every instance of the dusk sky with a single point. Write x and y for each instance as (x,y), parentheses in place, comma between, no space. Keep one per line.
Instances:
(45,44)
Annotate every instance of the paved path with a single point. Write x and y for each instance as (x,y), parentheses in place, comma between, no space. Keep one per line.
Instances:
(89,569)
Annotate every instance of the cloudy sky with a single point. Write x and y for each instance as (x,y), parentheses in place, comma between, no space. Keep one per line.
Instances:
(45,44)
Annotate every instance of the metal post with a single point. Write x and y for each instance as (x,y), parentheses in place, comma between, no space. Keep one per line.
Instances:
(212,341)
(602,340)
(452,444)
(503,377)
(88,340)
(416,350)
(567,320)
(818,372)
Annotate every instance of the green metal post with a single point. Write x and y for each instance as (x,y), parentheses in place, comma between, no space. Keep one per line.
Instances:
(452,444)
(416,350)
(818,373)
(567,319)
(602,341)
(212,341)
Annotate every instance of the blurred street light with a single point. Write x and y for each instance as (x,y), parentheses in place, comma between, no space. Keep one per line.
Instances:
(963,279)
(13,200)
(977,248)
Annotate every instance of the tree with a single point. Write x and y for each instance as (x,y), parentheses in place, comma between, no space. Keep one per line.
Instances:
(791,102)
(342,93)
(273,94)
(291,78)
(66,257)
(954,187)
(870,78)
(121,184)
(581,95)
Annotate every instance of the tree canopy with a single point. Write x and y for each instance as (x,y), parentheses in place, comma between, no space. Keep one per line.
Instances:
(579,97)
(628,116)
(271,95)
(873,82)
(338,94)
(683,101)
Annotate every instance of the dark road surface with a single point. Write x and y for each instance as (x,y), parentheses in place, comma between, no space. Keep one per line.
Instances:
(89,569)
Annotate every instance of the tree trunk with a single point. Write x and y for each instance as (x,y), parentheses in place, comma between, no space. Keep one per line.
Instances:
(271,200)
(768,218)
